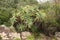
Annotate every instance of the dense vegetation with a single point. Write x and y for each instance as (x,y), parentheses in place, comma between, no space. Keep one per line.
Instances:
(28,15)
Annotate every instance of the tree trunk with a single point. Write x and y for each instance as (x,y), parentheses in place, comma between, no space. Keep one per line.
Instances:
(21,35)
(35,38)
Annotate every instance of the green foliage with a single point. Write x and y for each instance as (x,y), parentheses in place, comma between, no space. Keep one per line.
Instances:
(28,14)
(4,16)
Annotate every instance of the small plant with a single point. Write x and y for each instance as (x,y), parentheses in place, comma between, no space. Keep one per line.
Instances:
(30,38)
(0,37)
(17,39)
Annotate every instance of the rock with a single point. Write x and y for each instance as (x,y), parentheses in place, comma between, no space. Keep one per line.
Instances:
(25,34)
(7,34)
(14,35)
(44,37)
(4,29)
(57,35)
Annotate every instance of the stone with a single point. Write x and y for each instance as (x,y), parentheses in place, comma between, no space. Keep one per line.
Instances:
(57,35)
(25,34)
